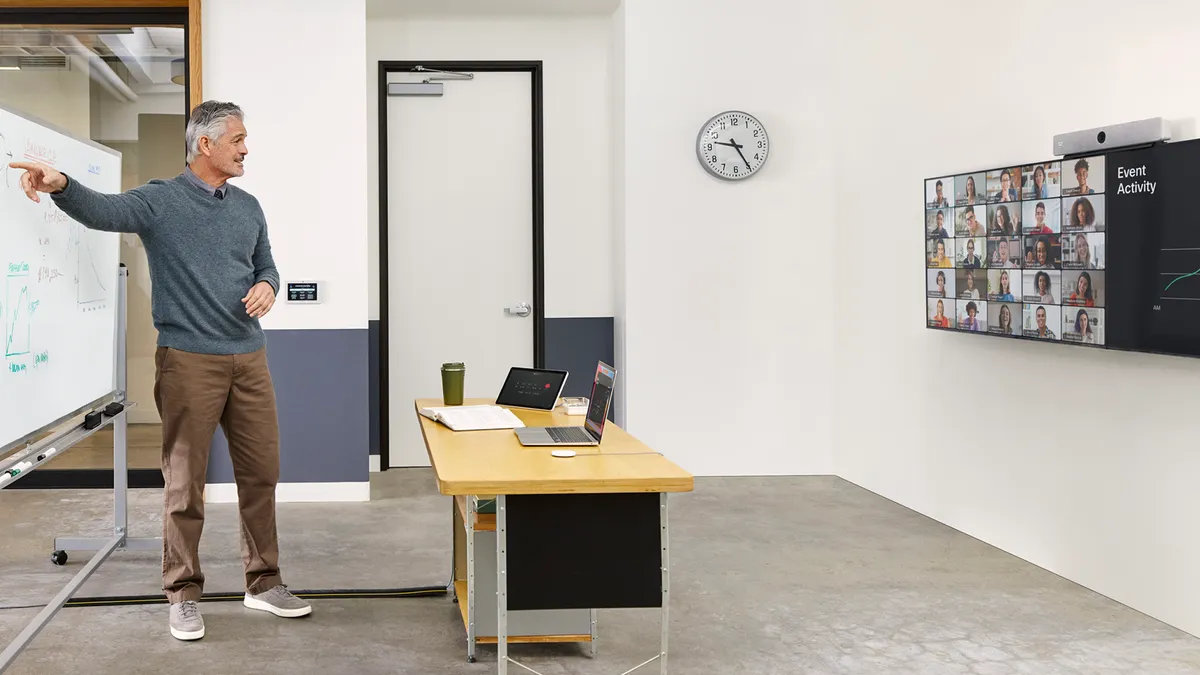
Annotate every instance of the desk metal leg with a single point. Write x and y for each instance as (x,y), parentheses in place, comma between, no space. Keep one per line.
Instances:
(593,643)
(666,581)
(501,585)
(454,515)
(469,524)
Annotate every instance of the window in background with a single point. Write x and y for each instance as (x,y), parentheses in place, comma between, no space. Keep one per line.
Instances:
(124,87)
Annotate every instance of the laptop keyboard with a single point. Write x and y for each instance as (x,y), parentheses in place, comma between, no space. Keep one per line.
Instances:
(569,435)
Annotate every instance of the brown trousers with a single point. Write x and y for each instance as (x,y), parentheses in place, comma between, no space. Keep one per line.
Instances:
(194,393)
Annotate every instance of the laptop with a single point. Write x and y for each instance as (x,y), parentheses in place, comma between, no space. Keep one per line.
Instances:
(593,427)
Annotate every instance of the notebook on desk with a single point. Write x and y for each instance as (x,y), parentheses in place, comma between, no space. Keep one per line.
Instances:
(473,417)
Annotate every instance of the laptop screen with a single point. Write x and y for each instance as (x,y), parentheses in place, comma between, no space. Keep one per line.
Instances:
(602,388)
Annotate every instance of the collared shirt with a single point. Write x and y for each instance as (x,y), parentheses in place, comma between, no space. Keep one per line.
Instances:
(192,178)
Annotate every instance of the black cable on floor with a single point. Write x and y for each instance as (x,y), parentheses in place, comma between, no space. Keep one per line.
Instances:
(117,600)
(330,594)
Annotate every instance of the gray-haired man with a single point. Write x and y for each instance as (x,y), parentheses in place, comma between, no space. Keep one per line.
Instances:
(213,278)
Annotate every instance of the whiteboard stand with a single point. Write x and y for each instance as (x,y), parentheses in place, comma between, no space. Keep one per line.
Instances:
(120,457)
(103,546)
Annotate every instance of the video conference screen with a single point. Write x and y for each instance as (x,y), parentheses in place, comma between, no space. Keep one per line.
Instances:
(1101,250)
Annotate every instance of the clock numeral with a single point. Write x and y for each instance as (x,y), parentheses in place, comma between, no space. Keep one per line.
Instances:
(710,147)
(759,143)
(756,133)
(756,155)
(722,125)
(735,121)
(722,167)
(735,170)
(713,159)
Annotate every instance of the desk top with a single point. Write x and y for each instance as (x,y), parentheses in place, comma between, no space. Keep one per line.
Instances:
(495,463)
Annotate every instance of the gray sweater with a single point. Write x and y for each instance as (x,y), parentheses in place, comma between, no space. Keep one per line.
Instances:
(204,253)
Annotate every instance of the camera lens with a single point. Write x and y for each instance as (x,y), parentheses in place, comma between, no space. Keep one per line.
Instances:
(1100,137)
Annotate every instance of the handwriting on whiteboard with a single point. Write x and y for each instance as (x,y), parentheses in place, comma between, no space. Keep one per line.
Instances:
(39,152)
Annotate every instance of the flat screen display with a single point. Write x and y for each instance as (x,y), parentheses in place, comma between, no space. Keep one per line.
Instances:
(532,388)
(1100,250)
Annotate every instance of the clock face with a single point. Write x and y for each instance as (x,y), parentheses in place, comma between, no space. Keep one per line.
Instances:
(732,145)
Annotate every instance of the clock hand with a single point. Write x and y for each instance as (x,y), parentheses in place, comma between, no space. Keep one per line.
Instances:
(739,149)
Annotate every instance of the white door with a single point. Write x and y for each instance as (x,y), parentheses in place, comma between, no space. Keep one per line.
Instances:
(460,243)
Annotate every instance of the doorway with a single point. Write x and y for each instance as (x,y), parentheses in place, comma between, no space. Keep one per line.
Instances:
(460,235)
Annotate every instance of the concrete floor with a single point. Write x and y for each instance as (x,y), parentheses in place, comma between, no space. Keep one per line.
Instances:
(769,575)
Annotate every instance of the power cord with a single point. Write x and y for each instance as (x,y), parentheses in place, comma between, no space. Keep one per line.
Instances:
(340,594)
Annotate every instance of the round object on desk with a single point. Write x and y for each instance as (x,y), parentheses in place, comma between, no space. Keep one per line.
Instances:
(563,453)
(59,558)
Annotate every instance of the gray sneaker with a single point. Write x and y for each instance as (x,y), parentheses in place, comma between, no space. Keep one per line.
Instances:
(186,622)
(278,601)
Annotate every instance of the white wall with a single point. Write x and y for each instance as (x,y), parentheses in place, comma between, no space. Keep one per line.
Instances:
(576,129)
(1098,485)
(119,120)
(61,97)
(728,330)
(308,146)
(620,306)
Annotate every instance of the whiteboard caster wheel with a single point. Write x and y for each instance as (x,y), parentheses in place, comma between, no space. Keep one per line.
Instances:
(59,558)
(470,659)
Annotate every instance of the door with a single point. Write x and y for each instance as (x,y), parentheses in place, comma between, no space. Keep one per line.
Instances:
(460,243)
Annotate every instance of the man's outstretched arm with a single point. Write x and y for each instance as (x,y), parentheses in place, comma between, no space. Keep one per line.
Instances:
(126,212)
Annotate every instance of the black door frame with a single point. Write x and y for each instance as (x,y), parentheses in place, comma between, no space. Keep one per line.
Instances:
(534,68)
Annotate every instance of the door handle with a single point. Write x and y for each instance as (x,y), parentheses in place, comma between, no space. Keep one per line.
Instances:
(521,309)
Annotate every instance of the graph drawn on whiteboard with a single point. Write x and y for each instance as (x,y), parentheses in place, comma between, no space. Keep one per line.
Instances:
(17,307)
(91,287)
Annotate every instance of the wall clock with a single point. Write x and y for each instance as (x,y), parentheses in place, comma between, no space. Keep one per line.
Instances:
(732,145)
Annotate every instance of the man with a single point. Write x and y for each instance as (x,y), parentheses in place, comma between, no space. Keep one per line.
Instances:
(1081,176)
(1002,257)
(1039,214)
(973,228)
(1042,330)
(940,201)
(214,278)
(940,230)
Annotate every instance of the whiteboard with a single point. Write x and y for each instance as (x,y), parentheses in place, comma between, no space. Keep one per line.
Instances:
(58,289)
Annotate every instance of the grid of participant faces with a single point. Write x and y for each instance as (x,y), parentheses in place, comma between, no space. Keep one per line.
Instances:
(1019,251)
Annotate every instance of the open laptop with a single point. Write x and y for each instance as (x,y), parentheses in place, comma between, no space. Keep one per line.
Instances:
(593,427)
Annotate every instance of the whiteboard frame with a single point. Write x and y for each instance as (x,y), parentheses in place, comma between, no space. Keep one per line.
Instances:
(33,436)
(58,129)
(115,394)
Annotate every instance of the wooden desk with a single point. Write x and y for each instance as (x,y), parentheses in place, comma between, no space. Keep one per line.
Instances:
(571,534)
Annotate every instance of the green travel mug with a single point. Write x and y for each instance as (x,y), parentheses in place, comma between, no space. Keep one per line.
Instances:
(452,383)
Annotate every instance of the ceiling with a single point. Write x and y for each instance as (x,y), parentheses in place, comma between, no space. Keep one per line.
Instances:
(131,61)
(381,9)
